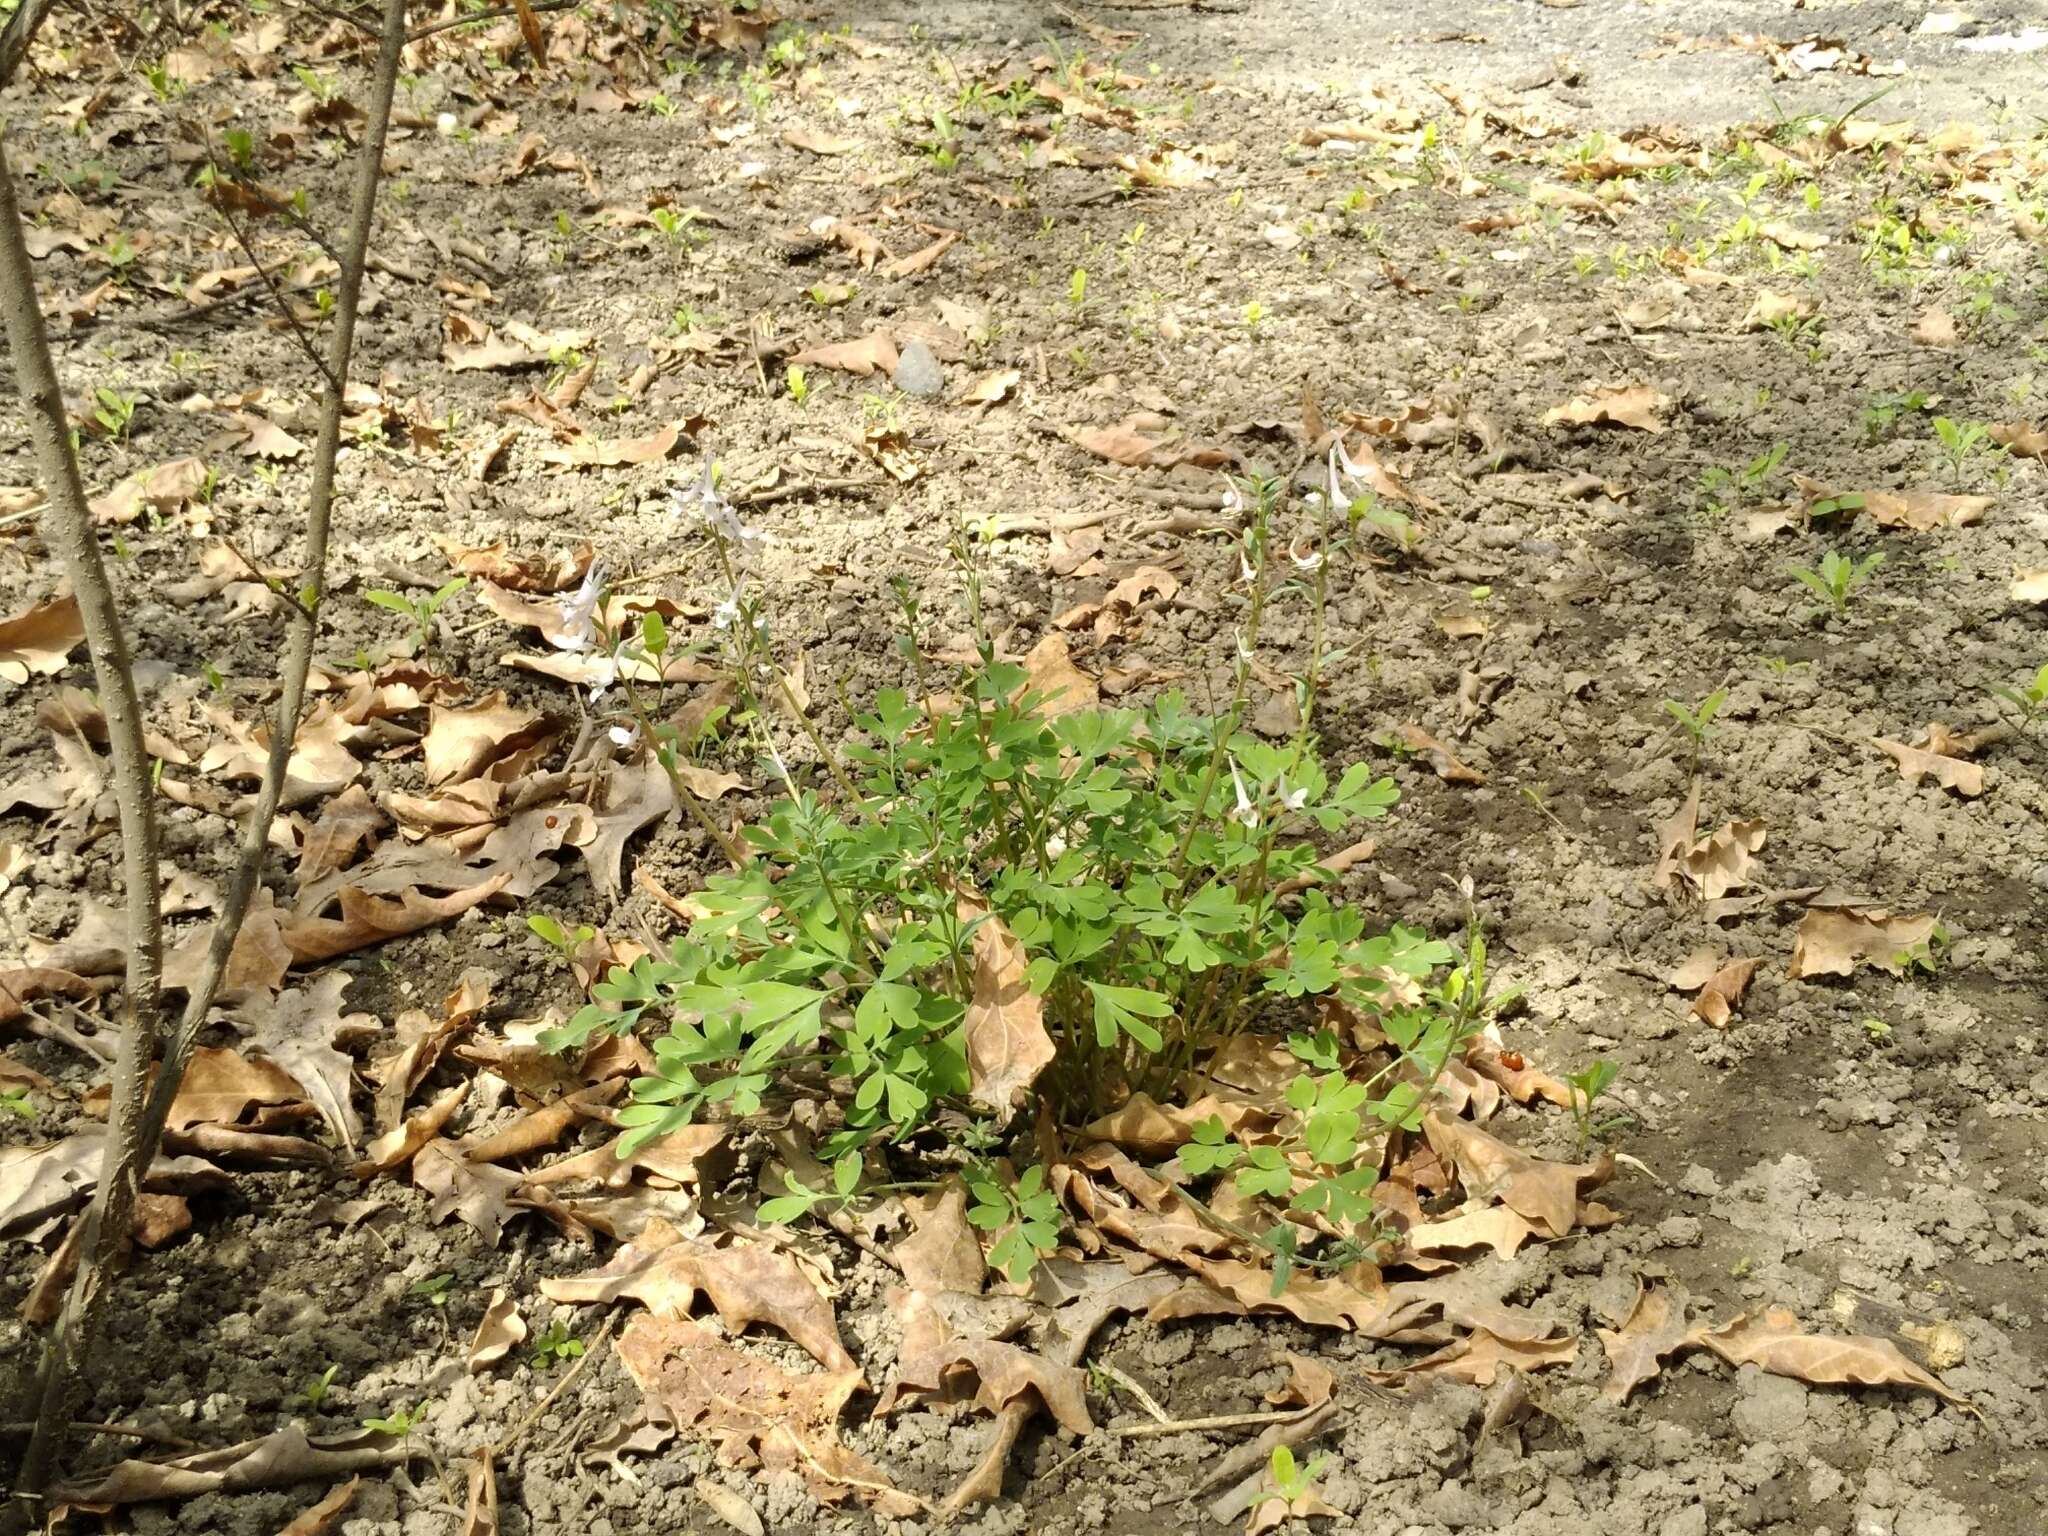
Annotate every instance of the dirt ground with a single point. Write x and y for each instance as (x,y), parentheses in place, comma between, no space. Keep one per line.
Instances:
(1864,1149)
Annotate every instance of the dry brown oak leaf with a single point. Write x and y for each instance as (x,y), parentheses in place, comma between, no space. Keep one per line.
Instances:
(753,1410)
(666,1272)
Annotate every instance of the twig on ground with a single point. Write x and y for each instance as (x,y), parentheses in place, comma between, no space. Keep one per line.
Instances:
(474,17)
(64,1034)
(807,488)
(1209,1425)
(595,1348)
(1143,1398)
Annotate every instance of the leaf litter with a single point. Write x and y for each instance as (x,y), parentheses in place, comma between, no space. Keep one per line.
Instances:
(290,1066)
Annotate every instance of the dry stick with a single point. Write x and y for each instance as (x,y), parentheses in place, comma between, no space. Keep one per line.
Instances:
(113,1202)
(537,8)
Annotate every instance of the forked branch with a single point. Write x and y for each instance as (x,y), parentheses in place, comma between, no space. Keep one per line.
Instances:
(141,1107)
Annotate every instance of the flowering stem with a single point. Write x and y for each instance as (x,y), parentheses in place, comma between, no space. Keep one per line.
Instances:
(688,797)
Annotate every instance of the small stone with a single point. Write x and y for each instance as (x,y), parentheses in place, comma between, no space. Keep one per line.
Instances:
(917,371)
(1689,1521)
(1678,1232)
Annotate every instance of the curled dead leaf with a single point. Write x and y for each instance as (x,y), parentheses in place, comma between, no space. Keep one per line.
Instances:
(1919,764)
(1834,941)
(39,641)
(2021,439)
(1617,405)
(666,1272)
(1547,1193)
(1655,1327)
(280,1459)
(1478,1357)
(1773,1340)
(1935,327)
(1049,671)
(1771,309)
(874,353)
(500,1331)
(1438,756)
(1712,865)
(991,389)
(587,452)
(1720,985)
(1007,1043)
(500,564)
(754,1410)
(941,1253)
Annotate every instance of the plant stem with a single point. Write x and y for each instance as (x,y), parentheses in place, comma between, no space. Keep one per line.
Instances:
(108,1218)
(690,800)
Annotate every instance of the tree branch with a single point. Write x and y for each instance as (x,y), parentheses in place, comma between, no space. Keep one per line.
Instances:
(109,1215)
(70,524)
(19,33)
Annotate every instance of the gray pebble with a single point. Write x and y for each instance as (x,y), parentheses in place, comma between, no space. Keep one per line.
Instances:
(917,371)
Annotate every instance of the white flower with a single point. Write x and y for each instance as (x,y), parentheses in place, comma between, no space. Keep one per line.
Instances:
(1233,499)
(1350,468)
(445,123)
(703,502)
(1293,799)
(1246,812)
(624,735)
(1312,561)
(727,613)
(579,612)
(607,678)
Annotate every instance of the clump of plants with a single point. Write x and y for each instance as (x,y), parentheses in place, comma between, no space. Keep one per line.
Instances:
(1001,918)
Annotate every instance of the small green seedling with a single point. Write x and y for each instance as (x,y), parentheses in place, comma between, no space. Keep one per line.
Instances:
(563,941)
(1960,442)
(1587,1086)
(555,1347)
(1077,289)
(401,1421)
(1698,721)
(1882,413)
(1254,316)
(1880,1032)
(317,1390)
(419,611)
(15,1102)
(1728,490)
(674,225)
(1837,578)
(115,412)
(434,1289)
(1925,956)
(1292,1485)
(797,382)
(2029,700)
